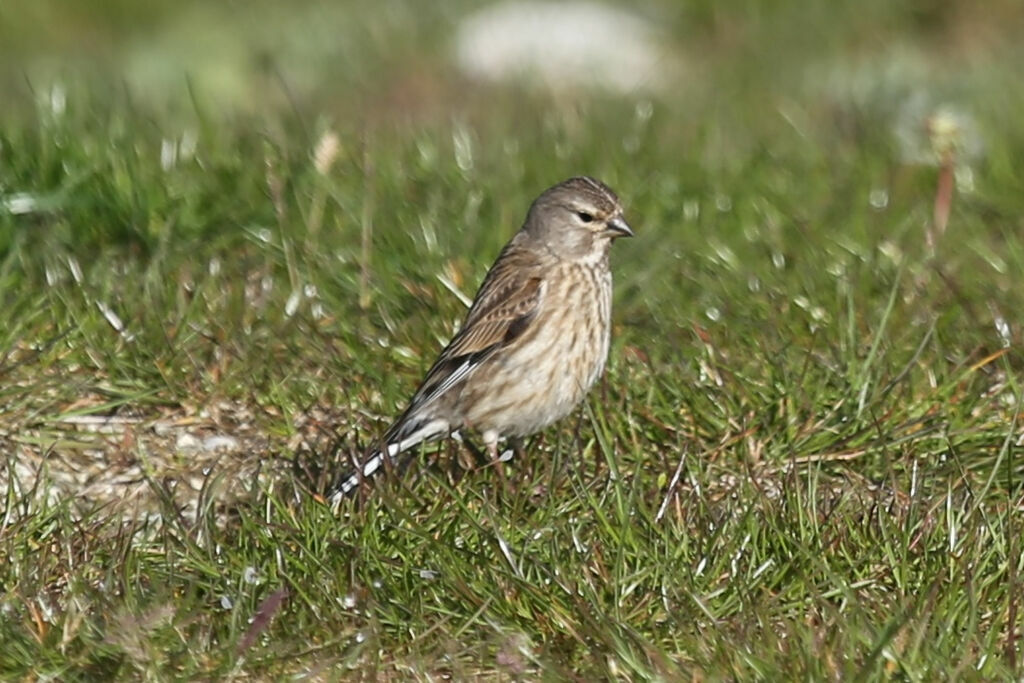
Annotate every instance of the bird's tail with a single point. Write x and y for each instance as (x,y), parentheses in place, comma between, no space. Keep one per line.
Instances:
(398,440)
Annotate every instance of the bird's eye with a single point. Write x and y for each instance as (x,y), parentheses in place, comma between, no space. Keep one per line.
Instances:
(585,217)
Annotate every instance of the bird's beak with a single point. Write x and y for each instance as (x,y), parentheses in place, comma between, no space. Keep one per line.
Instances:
(617,227)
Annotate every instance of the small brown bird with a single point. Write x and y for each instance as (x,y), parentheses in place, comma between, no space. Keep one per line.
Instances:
(535,339)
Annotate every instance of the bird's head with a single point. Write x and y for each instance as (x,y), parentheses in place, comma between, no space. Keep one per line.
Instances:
(577,219)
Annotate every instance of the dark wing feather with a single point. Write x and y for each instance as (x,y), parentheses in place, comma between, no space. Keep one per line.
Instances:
(503,310)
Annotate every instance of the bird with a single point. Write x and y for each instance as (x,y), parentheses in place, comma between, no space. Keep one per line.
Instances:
(534,341)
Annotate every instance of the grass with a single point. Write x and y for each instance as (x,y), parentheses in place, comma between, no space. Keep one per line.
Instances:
(804,461)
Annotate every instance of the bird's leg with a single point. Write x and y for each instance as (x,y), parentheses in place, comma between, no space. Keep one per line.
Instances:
(517,450)
(456,462)
(491,441)
(480,459)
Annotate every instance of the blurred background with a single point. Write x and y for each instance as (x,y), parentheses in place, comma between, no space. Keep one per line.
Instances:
(343,143)
(703,85)
(398,60)
(736,130)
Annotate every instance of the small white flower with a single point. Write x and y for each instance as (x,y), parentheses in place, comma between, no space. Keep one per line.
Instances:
(168,154)
(931,134)
(58,99)
(292,305)
(878,198)
(326,153)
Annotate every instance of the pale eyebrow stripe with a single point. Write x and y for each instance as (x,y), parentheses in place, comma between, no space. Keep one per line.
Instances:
(601,190)
(593,183)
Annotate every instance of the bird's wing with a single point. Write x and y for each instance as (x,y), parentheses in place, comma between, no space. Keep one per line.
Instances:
(503,311)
